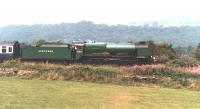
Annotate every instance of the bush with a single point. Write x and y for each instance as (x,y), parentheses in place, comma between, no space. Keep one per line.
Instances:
(136,75)
(166,72)
(183,62)
(10,64)
(197,51)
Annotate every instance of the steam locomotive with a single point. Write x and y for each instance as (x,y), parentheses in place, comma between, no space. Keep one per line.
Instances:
(83,52)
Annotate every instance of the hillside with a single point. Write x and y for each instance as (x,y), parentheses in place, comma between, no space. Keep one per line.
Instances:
(184,35)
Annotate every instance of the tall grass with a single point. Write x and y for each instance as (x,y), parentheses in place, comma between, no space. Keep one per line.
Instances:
(159,75)
(183,62)
(10,64)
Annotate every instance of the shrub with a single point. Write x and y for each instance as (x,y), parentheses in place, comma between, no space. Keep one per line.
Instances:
(148,75)
(10,64)
(197,52)
(183,62)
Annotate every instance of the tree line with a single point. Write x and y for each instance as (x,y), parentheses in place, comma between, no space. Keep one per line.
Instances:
(178,36)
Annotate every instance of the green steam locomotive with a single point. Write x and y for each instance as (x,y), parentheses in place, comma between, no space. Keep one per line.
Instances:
(83,52)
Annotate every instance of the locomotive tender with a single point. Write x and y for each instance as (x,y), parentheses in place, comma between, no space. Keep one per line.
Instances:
(84,52)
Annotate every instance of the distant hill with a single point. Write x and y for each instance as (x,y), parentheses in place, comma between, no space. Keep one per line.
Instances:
(178,36)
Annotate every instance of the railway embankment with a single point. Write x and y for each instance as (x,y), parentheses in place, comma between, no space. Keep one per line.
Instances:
(159,75)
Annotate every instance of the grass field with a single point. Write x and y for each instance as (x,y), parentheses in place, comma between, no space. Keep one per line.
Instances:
(43,94)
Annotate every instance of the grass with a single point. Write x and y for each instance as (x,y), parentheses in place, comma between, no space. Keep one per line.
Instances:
(183,63)
(160,75)
(42,94)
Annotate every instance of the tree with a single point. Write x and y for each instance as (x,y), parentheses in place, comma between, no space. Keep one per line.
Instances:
(40,42)
(197,51)
(163,51)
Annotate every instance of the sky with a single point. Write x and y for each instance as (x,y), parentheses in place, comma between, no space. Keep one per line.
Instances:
(111,12)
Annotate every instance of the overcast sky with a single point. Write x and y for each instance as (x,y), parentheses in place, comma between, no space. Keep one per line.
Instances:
(19,12)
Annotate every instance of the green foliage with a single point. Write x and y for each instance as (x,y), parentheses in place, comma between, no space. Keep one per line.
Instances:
(166,72)
(57,42)
(40,42)
(10,64)
(160,76)
(24,44)
(197,51)
(166,49)
(40,67)
(170,77)
(88,73)
(182,36)
(163,51)
(183,62)
(182,51)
